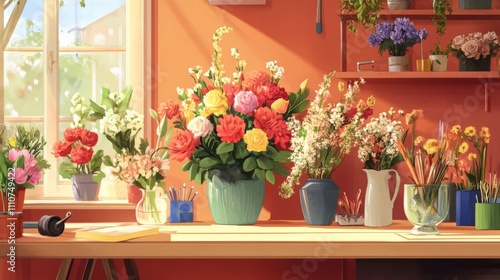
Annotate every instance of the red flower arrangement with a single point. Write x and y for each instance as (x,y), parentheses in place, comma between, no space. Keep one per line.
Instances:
(77,146)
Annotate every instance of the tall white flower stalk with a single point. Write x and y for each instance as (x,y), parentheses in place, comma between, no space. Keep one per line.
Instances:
(326,134)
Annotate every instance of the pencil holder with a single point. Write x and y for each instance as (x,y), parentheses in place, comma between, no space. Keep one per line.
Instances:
(181,211)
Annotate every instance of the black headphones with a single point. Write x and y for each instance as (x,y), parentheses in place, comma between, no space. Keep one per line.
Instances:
(49,225)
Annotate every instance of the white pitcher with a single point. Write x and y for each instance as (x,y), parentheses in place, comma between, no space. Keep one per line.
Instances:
(378,203)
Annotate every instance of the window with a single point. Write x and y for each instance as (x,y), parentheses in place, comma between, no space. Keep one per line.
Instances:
(56,51)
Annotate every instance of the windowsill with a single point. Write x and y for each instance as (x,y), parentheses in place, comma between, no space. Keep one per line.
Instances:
(72,204)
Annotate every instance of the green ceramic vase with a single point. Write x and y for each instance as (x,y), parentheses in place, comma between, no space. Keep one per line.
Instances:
(237,203)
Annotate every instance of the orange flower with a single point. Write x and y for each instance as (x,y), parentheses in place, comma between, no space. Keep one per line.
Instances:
(231,128)
(182,145)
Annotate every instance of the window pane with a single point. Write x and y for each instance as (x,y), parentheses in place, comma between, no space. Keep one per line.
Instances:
(87,73)
(23,84)
(100,23)
(29,29)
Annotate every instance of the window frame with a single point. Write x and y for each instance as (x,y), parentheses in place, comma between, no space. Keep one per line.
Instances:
(138,75)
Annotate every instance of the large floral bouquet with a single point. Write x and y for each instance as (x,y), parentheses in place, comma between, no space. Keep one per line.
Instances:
(378,141)
(235,128)
(475,45)
(396,37)
(327,133)
(469,168)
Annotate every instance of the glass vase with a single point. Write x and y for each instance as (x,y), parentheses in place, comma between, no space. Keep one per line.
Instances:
(426,206)
(152,208)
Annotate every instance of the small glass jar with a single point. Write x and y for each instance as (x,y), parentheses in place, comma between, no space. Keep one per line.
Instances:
(152,208)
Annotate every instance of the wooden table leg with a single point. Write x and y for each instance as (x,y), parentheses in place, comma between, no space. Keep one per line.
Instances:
(109,269)
(131,267)
(65,269)
(89,269)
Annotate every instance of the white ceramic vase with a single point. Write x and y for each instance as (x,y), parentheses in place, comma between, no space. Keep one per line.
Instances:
(399,63)
(378,202)
(439,62)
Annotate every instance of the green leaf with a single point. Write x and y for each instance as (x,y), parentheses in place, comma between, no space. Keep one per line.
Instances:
(124,105)
(280,169)
(106,102)
(224,157)
(200,177)
(67,170)
(264,163)
(225,147)
(270,176)
(162,129)
(187,165)
(209,163)
(260,174)
(241,151)
(193,170)
(153,114)
(107,161)
(98,178)
(249,164)
(282,156)
(143,145)
(301,106)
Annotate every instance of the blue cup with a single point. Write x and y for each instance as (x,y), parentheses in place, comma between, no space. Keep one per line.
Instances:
(181,211)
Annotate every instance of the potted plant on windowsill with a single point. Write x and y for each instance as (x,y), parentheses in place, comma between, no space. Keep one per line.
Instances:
(441,8)
(366,13)
(439,57)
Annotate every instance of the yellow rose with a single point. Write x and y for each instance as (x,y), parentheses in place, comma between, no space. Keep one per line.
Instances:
(189,104)
(216,102)
(431,146)
(12,142)
(280,106)
(370,101)
(471,156)
(256,140)
(341,86)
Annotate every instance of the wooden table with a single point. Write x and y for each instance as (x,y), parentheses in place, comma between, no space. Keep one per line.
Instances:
(272,239)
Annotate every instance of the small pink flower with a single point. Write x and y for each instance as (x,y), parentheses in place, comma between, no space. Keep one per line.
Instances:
(20,176)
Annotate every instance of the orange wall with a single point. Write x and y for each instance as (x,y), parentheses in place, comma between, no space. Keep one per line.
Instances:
(285,31)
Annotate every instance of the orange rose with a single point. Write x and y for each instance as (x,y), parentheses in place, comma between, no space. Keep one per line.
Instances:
(61,149)
(89,138)
(81,155)
(182,145)
(231,128)
(72,134)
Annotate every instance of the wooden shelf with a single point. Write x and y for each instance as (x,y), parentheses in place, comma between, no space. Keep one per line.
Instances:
(484,76)
(456,14)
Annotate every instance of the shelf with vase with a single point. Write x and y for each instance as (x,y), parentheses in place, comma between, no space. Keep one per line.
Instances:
(416,13)
(484,77)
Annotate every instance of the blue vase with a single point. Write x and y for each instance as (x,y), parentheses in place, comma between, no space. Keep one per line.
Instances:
(466,207)
(319,198)
(84,187)
(235,203)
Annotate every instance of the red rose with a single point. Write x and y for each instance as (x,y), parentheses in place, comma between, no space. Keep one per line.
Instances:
(169,109)
(81,155)
(89,138)
(230,91)
(351,112)
(231,128)
(61,148)
(182,145)
(266,119)
(275,92)
(261,93)
(282,135)
(72,134)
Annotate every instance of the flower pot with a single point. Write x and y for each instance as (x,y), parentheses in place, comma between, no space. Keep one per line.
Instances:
(13,202)
(134,193)
(398,4)
(319,199)
(466,205)
(474,4)
(235,203)
(439,62)
(399,63)
(378,202)
(426,206)
(152,208)
(84,187)
(423,65)
(11,225)
(470,64)
(487,216)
